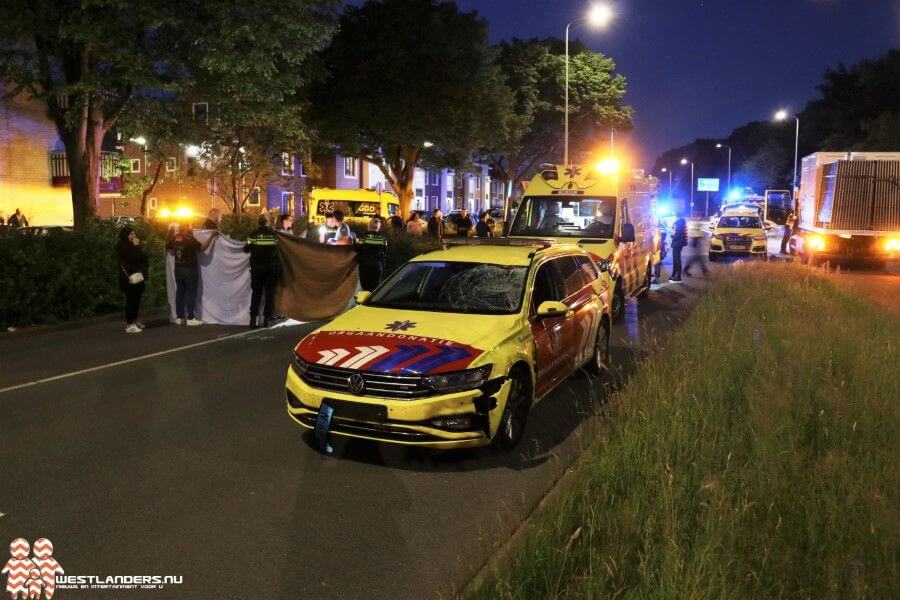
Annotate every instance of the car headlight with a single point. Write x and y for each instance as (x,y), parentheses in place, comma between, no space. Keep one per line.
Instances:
(892,245)
(459,381)
(760,237)
(817,243)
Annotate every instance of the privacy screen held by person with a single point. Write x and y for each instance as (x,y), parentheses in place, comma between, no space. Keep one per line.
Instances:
(133,273)
(264,268)
(371,250)
(185,248)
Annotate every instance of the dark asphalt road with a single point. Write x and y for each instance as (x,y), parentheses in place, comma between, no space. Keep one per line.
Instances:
(185,463)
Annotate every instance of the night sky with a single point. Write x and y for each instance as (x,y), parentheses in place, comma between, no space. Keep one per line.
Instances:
(700,68)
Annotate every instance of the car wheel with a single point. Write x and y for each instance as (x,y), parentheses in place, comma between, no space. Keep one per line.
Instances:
(599,363)
(618,301)
(515,412)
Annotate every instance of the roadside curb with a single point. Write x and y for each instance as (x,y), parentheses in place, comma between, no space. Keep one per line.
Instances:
(149,313)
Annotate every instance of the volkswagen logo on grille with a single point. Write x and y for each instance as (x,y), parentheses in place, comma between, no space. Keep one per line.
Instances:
(356,384)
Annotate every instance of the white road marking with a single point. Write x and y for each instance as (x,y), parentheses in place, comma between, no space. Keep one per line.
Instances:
(124,362)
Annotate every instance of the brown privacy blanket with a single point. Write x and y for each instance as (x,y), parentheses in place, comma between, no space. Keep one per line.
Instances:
(317,281)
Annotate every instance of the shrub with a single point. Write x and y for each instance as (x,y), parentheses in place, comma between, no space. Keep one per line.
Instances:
(68,275)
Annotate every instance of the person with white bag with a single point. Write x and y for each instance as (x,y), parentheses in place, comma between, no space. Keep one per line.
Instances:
(132,276)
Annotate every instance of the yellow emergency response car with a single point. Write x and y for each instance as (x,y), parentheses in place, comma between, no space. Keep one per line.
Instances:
(454,348)
(738,233)
(608,212)
(357,205)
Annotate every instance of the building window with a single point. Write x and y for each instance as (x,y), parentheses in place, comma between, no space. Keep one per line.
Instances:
(151,204)
(253,199)
(287,202)
(419,192)
(200,111)
(350,167)
(170,164)
(135,165)
(287,164)
(302,169)
(478,183)
(449,194)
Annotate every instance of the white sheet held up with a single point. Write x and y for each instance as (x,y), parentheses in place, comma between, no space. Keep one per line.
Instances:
(223,292)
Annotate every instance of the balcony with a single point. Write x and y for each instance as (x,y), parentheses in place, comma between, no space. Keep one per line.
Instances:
(110,172)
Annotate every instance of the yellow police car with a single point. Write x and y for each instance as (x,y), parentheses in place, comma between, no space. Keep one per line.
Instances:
(454,348)
(738,233)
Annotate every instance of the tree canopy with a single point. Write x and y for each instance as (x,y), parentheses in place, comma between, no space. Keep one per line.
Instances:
(403,73)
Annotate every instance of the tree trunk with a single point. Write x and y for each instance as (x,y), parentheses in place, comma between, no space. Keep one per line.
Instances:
(405,196)
(149,189)
(83,158)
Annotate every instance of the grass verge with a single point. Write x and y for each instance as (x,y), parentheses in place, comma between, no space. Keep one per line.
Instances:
(754,454)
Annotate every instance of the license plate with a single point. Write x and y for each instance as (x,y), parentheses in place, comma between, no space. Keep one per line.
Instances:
(323,422)
(357,411)
(736,247)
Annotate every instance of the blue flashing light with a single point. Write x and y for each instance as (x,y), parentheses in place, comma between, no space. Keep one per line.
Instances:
(663,210)
(735,194)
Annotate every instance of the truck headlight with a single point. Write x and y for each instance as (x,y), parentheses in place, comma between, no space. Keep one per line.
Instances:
(816,243)
(458,381)
(892,245)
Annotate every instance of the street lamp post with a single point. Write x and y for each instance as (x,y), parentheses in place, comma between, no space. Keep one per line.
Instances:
(729,164)
(782,115)
(599,16)
(685,161)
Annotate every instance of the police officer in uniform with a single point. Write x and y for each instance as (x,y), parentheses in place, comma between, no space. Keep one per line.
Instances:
(264,269)
(371,250)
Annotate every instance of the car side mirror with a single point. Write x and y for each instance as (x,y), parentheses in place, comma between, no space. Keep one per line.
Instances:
(361,297)
(552,308)
(605,266)
(627,233)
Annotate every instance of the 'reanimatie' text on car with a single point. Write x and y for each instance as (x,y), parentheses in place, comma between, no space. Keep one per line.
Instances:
(455,347)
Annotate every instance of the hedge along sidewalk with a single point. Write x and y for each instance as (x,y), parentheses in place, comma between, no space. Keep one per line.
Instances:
(753,455)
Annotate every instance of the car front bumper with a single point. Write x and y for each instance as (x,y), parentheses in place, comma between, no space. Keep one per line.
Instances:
(399,421)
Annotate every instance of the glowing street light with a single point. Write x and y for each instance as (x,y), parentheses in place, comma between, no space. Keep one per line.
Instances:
(139,140)
(427,144)
(192,151)
(783,115)
(598,17)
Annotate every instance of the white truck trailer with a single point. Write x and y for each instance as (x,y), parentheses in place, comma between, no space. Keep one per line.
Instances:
(848,207)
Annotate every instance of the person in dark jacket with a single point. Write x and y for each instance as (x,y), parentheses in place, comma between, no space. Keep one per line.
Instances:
(17,220)
(483,227)
(789,224)
(213,219)
(463,224)
(679,241)
(185,248)
(131,260)
(264,270)
(436,225)
(371,251)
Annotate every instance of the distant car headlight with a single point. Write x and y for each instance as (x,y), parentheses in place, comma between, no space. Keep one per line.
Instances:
(459,381)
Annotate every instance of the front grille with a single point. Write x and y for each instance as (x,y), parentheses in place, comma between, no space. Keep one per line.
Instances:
(381,431)
(379,385)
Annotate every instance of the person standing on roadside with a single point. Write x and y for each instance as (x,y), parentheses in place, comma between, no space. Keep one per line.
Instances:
(371,251)
(699,250)
(185,247)
(264,270)
(789,224)
(464,224)
(483,227)
(17,220)
(679,241)
(414,225)
(133,273)
(657,268)
(436,225)
(213,220)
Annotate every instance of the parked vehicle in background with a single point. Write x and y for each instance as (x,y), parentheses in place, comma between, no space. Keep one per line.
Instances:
(849,208)
(358,206)
(738,233)
(607,211)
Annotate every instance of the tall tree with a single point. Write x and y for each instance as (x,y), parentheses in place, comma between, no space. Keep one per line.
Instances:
(403,73)
(535,72)
(84,59)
